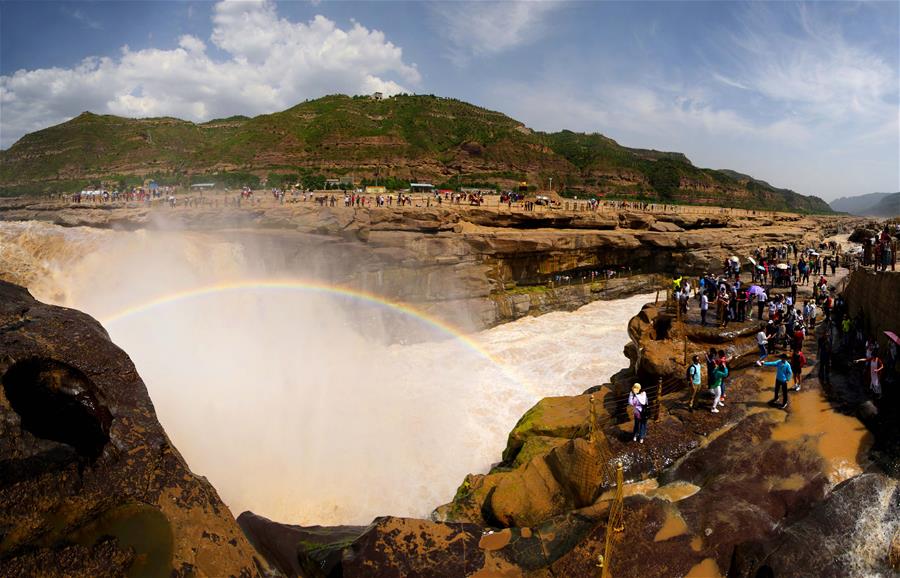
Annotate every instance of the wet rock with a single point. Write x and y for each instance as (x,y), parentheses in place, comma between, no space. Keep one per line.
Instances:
(81,453)
(557,417)
(299,551)
(410,548)
(527,496)
(852,529)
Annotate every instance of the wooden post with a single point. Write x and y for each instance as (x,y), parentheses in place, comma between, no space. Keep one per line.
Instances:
(659,388)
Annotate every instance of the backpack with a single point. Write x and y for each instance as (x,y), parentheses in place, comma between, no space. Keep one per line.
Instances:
(801,358)
(690,372)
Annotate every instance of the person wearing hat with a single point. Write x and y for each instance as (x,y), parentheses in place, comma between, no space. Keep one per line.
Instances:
(783,374)
(637,399)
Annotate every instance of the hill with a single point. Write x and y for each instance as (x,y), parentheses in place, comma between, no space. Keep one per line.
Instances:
(870,205)
(396,140)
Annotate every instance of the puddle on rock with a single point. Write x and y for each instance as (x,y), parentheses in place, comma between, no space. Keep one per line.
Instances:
(672,527)
(141,527)
(705,569)
(495,540)
(643,487)
(696,543)
(676,491)
(841,439)
(793,483)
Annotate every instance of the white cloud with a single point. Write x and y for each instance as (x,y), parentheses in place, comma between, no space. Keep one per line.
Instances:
(487,27)
(271,64)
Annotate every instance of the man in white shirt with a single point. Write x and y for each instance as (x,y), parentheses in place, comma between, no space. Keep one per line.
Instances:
(704,307)
(761,298)
(761,341)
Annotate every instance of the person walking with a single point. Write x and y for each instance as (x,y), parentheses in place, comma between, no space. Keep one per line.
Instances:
(783,374)
(694,375)
(637,399)
(761,298)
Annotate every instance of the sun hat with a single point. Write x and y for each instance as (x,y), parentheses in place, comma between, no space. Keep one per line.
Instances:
(636,388)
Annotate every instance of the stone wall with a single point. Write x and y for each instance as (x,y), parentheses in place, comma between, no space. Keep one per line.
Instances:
(877,297)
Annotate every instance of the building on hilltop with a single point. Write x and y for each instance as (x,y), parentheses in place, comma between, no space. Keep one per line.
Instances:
(421,187)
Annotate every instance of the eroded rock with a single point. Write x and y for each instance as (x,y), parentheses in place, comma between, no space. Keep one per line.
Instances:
(82,455)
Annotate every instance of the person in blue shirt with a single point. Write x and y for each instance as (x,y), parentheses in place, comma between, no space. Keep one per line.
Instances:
(783,375)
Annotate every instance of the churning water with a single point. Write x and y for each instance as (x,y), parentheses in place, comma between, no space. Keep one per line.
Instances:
(291,399)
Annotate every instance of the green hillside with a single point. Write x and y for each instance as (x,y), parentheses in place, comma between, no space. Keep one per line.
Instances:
(396,140)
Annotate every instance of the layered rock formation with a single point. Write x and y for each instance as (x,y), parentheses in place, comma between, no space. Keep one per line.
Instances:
(476,267)
(89,483)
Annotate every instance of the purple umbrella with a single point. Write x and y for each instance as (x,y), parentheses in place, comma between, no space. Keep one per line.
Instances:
(756,290)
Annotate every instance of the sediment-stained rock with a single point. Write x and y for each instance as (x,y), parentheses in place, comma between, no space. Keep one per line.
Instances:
(848,534)
(82,456)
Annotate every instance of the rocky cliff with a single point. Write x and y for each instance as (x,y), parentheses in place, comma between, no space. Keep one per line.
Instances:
(89,483)
(476,267)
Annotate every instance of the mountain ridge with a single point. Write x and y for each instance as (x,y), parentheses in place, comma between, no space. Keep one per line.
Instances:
(404,138)
(869,205)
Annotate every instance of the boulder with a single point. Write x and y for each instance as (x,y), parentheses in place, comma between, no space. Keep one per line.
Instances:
(411,548)
(665,227)
(558,417)
(83,457)
(299,551)
(854,529)
(529,495)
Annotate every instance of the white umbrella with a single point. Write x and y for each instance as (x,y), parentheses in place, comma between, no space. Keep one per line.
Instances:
(734,259)
(752,260)
(782,266)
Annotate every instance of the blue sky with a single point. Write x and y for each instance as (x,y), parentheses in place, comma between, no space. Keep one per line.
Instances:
(803,95)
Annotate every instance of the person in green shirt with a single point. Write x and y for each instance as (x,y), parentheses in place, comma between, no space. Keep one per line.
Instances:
(719,373)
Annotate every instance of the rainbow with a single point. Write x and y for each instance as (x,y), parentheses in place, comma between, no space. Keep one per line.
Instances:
(309,287)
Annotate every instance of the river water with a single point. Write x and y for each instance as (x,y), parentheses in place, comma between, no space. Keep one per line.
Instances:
(292,399)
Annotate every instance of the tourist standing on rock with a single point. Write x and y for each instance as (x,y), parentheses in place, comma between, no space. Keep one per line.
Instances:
(783,374)
(722,359)
(761,298)
(716,383)
(742,298)
(704,307)
(637,399)
(711,358)
(694,375)
(875,366)
(798,361)
(761,341)
(809,312)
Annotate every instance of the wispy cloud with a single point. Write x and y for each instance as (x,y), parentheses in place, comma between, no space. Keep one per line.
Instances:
(811,68)
(480,28)
(85,20)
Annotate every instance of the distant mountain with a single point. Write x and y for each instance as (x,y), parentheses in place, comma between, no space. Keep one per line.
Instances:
(396,140)
(870,205)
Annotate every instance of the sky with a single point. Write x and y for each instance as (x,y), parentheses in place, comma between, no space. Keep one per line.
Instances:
(803,95)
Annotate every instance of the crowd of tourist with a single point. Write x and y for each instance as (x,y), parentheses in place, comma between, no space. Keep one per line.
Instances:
(790,322)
